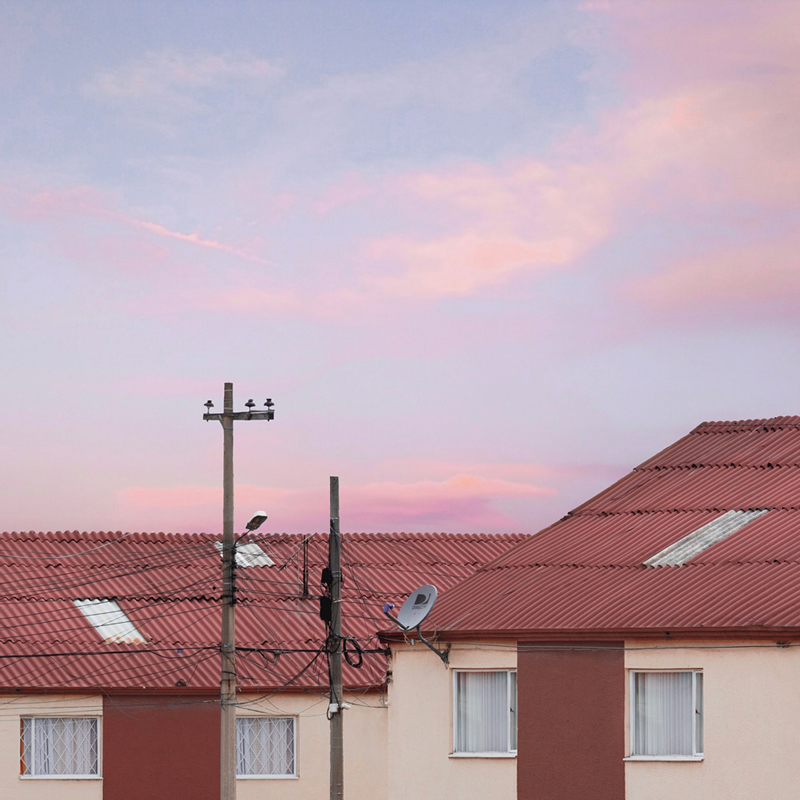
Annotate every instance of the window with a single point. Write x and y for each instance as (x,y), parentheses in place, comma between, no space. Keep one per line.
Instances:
(667,714)
(265,747)
(485,712)
(56,746)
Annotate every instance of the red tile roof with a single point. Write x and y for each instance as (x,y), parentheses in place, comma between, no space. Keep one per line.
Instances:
(169,586)
(585,575)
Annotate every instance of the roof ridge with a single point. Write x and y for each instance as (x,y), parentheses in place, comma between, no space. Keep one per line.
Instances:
(785,421)
(732,465)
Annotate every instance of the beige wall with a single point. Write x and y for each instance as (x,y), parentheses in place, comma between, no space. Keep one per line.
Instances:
(421,729)
(365,730)
(752,726)
(397,752)
(365,750)
(12,707)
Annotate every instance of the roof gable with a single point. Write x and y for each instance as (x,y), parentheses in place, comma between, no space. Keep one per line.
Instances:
(680,509)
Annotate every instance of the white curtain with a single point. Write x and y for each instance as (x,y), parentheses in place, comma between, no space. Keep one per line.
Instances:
(698,710)
(513,710)
(664,714)
(483,715)
(60,746)
(265,746)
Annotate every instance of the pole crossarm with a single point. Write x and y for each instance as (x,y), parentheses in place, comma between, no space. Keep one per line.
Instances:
(245,415)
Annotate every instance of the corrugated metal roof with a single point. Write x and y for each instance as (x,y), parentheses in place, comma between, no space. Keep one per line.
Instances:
(168,586)
(588,571)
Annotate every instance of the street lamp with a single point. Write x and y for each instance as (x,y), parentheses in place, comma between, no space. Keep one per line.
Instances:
(256,521)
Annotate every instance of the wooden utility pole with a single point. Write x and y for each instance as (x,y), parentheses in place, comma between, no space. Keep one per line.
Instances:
(227,747)
(227,742)
(337,700)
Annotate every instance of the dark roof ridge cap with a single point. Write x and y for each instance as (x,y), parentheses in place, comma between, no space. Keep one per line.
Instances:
(698,510)
(101,535)
(780,422)
(113,535)
(732,465)
(474,535)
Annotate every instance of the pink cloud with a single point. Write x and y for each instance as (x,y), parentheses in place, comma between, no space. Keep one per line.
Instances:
(675,44)
(519,216)
(54,204)
(713,97)
(462,264)
(463,499)
(759,279)
(712,126)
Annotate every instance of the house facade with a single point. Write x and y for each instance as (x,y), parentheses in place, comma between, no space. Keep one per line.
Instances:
(109,663)
(657,627)
(452,728)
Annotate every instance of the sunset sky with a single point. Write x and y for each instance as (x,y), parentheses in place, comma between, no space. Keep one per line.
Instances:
(484,255)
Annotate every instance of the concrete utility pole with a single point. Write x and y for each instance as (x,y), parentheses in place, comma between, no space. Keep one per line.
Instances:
(227,750)
(336,706)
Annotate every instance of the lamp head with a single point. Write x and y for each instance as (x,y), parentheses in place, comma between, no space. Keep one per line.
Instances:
(257,520)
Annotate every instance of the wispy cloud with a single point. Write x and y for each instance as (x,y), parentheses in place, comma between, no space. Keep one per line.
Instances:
(55,205)
(163,86)
(192,238)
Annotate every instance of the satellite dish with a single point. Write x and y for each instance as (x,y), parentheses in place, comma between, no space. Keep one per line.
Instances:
(417,607)
(414,612)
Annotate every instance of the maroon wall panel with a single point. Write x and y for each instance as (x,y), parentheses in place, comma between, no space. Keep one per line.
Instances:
(160,747)
(571,734)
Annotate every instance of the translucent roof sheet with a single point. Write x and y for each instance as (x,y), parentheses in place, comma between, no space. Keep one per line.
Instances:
(697,541)
(249,555)
(110,621)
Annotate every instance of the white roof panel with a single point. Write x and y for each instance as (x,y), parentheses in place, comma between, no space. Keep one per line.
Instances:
(249,555)
(694,543)
(110,621)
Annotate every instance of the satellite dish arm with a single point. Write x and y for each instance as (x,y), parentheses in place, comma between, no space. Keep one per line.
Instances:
(444,655)
(386,608)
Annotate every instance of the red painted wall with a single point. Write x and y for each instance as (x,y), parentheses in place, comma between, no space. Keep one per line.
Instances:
(571,717)
(160,747)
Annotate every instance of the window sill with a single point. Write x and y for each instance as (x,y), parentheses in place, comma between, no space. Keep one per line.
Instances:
(663,758)
(482,755)
(267,777)
(61,777)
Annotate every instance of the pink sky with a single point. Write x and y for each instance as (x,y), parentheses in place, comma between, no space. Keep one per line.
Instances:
(484,263)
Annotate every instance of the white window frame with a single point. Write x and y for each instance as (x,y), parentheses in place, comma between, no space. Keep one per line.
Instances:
(69,777)
(696,756)
(295,775)
(509,753)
